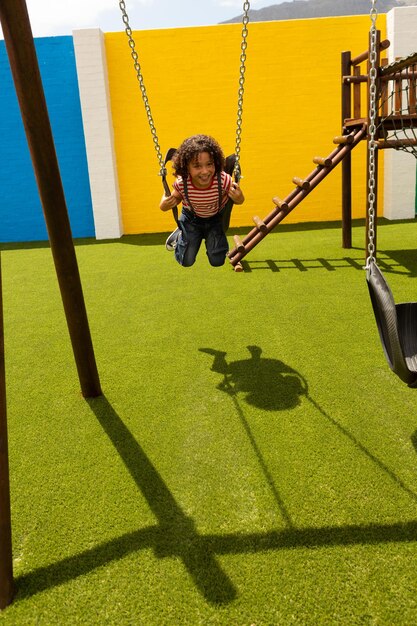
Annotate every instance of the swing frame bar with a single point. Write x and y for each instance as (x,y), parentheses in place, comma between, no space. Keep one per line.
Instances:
(15,22)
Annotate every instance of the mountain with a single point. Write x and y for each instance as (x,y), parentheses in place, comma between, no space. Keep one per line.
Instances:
(299,9)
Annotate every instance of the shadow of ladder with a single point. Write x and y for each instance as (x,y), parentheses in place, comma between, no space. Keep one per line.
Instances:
(324,165)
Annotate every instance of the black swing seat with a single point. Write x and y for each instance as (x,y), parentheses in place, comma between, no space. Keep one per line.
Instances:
(397,326)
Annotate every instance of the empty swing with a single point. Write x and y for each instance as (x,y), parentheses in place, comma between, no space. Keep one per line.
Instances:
(396,323)
(232,165)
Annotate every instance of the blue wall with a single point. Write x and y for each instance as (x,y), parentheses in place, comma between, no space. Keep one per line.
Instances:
(21,217)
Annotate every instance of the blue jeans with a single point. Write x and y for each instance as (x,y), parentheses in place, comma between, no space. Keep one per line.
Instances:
(193,230)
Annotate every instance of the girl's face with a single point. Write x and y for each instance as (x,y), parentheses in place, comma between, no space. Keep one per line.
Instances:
(202,169)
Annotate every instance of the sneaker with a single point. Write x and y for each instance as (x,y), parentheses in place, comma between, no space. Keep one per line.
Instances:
(171,242)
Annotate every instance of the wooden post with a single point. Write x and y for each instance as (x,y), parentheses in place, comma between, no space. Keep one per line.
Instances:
(20,47)
(357,99)
(412,99)
(411,105)
(6,563)
(347,161)
(384,92)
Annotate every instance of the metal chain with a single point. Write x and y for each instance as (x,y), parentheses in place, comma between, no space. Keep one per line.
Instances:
(138,69)
(372,145)
(243,47)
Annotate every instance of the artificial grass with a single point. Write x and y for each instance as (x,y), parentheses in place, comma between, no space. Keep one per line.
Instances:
(274,484)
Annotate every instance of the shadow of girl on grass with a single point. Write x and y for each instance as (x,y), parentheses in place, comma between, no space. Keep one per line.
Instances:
(268,384)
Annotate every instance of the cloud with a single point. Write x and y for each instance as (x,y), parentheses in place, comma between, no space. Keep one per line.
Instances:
(51,17)
(54,18)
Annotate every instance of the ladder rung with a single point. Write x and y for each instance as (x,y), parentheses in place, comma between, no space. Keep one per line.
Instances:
(260,224)
(343,139)
(238,243)
(301,182)
(281,204)
(324,161)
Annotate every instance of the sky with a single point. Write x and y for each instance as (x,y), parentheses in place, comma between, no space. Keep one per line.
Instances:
(59,17)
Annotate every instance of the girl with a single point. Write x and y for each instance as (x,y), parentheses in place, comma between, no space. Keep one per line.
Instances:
(204,189)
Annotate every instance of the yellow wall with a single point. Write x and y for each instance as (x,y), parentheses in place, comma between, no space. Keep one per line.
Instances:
(291,110)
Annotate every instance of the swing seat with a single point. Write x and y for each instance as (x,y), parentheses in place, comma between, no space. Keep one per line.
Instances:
(229,166)
(397,326)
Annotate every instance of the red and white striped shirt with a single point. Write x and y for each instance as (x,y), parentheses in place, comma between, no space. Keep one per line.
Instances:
(205,202)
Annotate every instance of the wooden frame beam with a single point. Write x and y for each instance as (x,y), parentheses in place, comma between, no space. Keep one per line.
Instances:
(20,48)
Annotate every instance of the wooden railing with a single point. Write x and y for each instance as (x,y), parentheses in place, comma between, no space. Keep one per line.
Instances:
(354,108)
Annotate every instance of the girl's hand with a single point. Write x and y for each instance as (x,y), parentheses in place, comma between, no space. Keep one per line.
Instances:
(168,202)
(235,193)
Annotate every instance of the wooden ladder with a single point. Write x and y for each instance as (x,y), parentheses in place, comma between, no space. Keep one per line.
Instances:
(303,186)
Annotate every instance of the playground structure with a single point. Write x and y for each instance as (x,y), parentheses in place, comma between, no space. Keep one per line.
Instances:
(355,129)
(396,124)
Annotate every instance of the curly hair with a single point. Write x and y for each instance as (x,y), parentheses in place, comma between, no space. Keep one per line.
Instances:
(193,146)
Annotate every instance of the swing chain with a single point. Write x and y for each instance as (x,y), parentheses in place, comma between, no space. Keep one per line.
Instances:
(372,145)
(138,69)
(243,47)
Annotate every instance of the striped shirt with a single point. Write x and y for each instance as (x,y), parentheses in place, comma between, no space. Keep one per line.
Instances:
(205,202)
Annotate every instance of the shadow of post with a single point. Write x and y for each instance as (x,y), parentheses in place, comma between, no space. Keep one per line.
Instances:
(397,259)
(176,534)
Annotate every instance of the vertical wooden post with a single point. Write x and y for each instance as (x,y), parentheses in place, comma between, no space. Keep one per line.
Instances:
(384,92)
(357,100)
(26,75)
(347,161)
(412,95)
(6,563)
(398,97)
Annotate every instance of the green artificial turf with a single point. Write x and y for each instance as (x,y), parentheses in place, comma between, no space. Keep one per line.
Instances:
(253,460)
